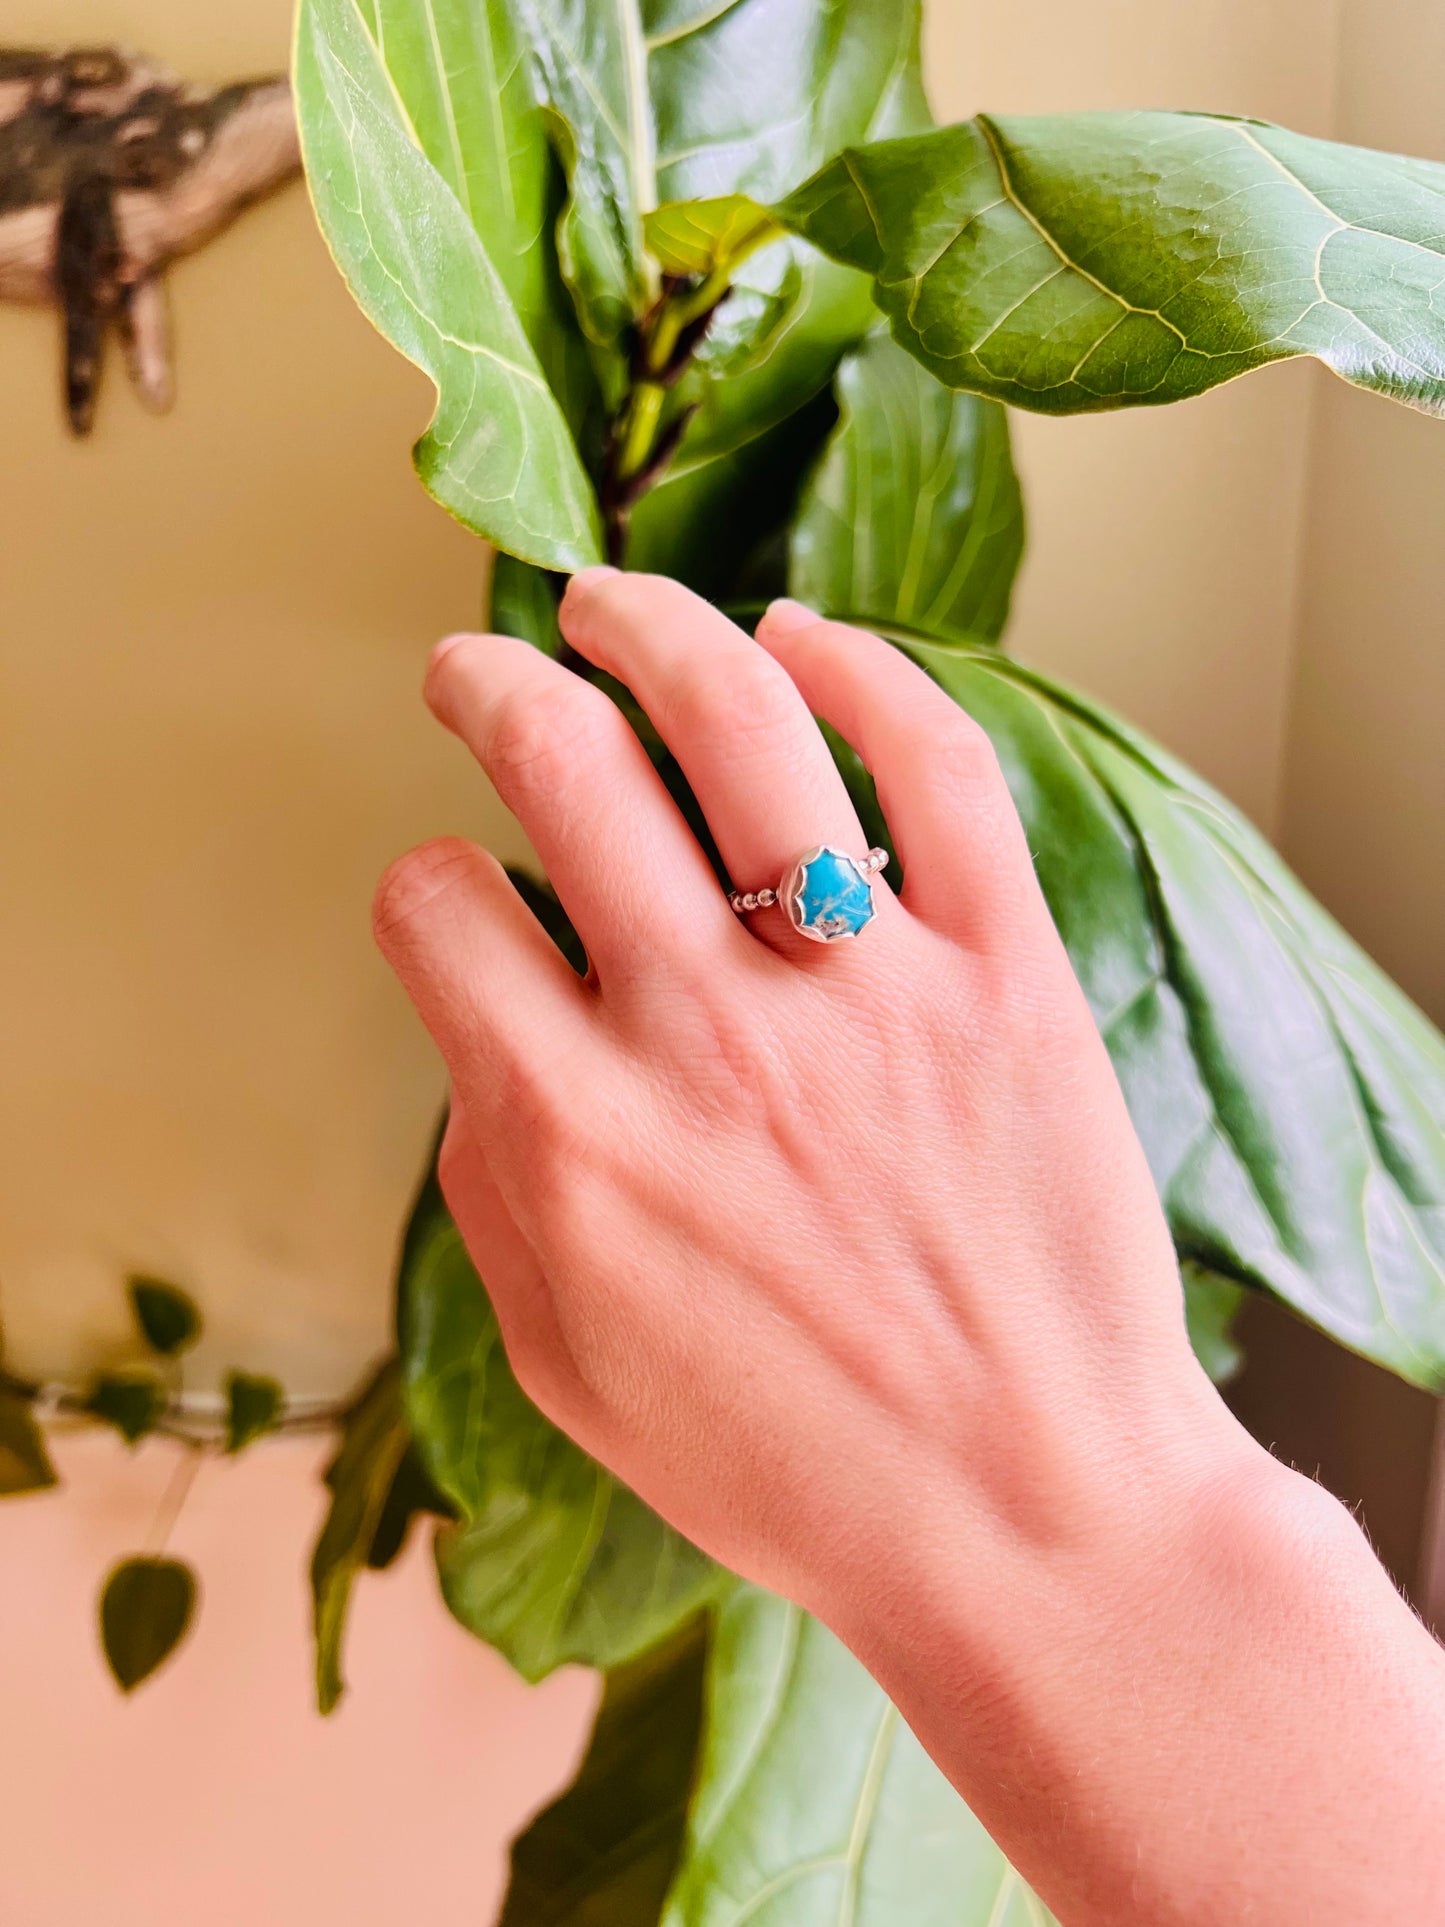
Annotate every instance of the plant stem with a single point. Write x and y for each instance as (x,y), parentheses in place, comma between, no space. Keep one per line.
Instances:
(639,447)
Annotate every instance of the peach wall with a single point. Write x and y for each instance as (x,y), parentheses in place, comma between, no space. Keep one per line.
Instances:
(217,1797)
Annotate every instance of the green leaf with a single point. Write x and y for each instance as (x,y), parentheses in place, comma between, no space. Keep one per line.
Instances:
(699,237)
(814,1802)
(166,1315)
(590,70)
(1211,1304)
(145,1609)
(604,1854)
(747,101)
(412,1494)
(552,1559)
(1083,261)
(914,514)
(373,1439)
(752,98)
(131,1401)
(461,74)
(458,70)
(498,454)
(253,1407)
(524,603)
(24,1462)
(1289,1097)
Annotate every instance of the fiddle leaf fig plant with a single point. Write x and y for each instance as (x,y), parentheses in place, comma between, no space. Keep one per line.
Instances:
(703,291)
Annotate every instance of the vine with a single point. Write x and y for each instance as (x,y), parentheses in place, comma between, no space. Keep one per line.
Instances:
(148,1600)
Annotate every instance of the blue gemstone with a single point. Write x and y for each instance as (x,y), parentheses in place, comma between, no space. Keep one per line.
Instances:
(834,898)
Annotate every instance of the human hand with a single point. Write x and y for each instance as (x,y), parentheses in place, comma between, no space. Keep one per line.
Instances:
(817,1247)
(847,1260)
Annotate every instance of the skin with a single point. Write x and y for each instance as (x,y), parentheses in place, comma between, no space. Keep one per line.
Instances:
(847,1259)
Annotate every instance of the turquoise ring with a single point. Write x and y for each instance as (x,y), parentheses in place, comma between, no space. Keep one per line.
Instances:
(826,895)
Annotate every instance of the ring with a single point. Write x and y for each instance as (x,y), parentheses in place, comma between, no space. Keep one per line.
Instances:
(826,895)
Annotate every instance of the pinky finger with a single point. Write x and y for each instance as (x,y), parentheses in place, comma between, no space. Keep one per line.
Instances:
(508,1267)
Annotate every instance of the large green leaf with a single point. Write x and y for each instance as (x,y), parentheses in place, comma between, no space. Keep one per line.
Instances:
(815,1804)
(552,1559)
(914,514)
(499,453)
(1290,1098)
(604,1854)
(590,68)
(1084,261)
(458,68)
(749,99)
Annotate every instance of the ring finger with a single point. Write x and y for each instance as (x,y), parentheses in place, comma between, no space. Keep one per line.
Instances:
(733,718)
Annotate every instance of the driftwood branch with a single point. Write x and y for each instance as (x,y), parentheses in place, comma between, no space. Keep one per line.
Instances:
(110,169)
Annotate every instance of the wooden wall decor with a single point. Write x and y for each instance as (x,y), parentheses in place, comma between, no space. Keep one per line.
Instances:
(109,169)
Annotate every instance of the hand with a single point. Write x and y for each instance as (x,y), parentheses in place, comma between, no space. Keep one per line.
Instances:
(775,1229)
(847,1259)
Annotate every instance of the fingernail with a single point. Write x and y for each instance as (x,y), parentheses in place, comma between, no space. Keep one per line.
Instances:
(786,614)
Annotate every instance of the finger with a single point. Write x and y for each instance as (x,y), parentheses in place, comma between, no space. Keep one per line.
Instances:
(508,1013)
(564,760)
(741,733)
(966,863)
(509,1268)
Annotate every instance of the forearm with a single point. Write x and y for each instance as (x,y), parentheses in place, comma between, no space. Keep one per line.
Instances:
(1205,1705)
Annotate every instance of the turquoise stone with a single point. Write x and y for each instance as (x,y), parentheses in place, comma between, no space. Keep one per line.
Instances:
(833,898)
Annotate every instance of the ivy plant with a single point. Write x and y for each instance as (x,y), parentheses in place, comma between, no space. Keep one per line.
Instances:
(703,290)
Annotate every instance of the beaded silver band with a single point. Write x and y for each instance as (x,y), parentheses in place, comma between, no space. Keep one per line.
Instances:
(744,900)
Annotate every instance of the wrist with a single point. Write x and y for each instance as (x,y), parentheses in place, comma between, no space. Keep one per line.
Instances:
(1091,1691)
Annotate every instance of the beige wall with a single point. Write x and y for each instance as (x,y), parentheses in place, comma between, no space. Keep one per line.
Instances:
(211,631)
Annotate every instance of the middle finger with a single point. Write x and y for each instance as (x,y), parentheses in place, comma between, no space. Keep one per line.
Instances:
(731,716)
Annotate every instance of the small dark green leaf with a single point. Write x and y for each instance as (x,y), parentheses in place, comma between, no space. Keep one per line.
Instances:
(130,1401)
(373,1439)
(24,1462)
(604,1854)
(167,1316)
(1211,1304)
(552,1559)
(145,1610)
(1072,262)
(253,1405)
(914,514)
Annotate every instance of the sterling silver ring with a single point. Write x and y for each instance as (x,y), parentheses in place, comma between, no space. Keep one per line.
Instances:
(826,895)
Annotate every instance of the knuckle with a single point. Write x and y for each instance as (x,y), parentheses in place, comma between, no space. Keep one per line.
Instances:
(739,692)
(540,737)
(417,885)
(960,751)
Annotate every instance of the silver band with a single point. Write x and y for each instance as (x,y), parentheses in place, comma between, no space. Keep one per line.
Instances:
(744,900)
